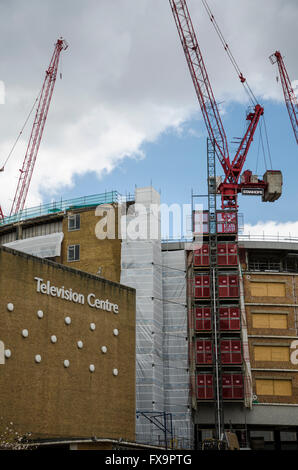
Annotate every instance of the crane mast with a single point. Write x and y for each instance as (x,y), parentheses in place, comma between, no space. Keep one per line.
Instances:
(289,95)
(37,129)
(230,187)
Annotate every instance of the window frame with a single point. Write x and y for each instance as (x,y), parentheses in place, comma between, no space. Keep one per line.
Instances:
(263,288)
(267,350)
(272,318)
(79,253)
(77,226)
(274,382)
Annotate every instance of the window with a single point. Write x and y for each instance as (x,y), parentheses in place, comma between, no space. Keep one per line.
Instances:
(73,253)
(267,435)
(270,320)
(272,353)
(283,387)
(74,222)
(265,263)
(207,434)
(289,436)
(274,387)
(288,263)
(268,289)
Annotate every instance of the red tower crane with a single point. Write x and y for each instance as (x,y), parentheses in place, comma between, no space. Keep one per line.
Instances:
(290,97)
(231,185)
(225,220)
(37,130)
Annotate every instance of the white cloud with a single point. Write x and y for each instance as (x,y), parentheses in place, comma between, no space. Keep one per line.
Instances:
(272,229)
(125,80)
(2,92)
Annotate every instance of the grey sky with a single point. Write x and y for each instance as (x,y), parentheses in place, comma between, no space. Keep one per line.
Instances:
(125,80)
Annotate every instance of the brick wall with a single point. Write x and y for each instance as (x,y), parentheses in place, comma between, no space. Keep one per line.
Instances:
(95,254)
(284,303)
(46,398)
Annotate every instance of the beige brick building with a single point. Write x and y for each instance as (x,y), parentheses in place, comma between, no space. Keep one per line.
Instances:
(69,360)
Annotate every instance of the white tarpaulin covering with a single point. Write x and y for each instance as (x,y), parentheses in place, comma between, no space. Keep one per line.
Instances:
(175,347)
(141,269)
(162,380)
(46,246)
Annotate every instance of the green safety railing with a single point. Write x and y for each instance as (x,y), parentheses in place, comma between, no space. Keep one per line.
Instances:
(108,197)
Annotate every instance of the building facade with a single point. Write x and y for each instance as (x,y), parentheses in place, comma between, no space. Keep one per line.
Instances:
(67,352)
(262,407)
(257,318)
(68,233)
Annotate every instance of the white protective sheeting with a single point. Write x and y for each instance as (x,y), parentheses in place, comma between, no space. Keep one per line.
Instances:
(248,388)
(46,246)
(175,347)
(162,382)
(141,269)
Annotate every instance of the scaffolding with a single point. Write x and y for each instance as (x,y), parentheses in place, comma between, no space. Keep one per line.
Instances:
(162,375)
(217,355)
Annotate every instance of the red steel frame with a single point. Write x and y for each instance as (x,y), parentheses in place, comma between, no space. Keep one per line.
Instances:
(37,130)
(290,97)
(230,187)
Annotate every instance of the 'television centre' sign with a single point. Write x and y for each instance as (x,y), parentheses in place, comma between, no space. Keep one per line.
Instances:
(68,294)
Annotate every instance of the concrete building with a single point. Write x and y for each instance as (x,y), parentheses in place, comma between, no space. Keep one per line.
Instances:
(261,405)
(267,410)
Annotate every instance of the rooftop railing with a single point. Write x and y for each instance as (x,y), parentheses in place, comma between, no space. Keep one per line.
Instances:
(243,237)
(108,197)
(268,238)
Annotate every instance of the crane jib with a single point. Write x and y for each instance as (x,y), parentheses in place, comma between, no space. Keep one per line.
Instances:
(37,129)
(200,79)
(209,106)
(289,94)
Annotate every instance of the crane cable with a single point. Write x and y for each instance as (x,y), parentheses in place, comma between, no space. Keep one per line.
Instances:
(27,119)
(243,80)
(20,133)
(267,141)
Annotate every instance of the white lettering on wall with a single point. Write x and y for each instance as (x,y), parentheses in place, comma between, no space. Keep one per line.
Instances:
(2,353)
(45,287)
(101,304)
(294,354)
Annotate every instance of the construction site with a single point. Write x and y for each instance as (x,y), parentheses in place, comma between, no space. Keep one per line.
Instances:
(155,342)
